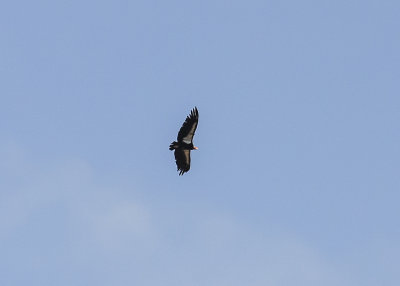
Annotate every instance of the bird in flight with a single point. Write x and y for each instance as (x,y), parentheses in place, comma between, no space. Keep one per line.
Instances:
(185,142)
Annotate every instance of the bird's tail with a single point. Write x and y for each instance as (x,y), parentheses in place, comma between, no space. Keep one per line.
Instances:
(174,145)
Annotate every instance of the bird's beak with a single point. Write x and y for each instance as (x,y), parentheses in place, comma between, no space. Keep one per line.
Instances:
(195,148)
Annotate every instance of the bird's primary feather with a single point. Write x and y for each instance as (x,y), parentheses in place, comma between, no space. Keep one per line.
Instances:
(182,158)
(188,128)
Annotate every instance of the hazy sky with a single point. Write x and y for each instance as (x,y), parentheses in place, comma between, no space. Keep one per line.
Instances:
(296,180)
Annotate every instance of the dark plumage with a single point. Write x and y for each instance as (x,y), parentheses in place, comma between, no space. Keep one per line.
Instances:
(185,142)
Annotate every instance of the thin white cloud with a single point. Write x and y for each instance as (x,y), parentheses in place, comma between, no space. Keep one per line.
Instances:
(106,232)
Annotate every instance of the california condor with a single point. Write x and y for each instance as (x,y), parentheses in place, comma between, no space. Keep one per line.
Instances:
(185,142)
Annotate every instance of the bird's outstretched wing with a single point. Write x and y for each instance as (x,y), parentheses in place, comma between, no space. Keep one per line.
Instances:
(182,158)
(188,128)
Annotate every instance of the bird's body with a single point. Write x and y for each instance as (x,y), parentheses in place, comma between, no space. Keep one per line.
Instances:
(184,143)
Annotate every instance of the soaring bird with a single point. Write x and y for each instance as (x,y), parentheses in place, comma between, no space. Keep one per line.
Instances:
(185,142)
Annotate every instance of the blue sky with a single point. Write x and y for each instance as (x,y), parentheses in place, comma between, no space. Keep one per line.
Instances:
(296,180)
